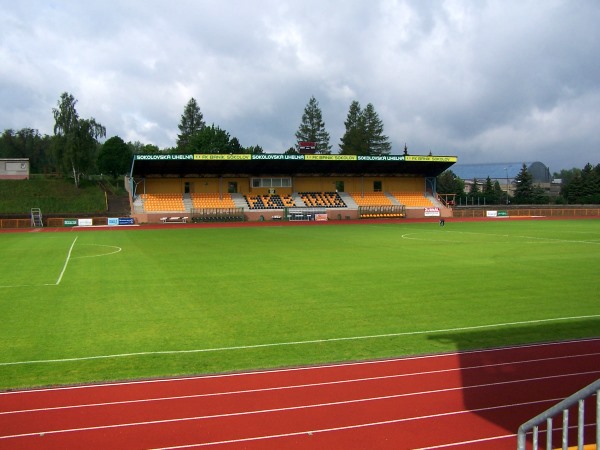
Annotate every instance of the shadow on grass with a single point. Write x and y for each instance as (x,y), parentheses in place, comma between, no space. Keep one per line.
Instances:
(494,375)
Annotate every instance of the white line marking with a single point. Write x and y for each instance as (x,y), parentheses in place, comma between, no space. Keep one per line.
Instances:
(353,427)
(118,249)
(455,444)
(532,238)
(295,408)
(297,369)
(331,383)
(66,262)
(313,341)
(472,441)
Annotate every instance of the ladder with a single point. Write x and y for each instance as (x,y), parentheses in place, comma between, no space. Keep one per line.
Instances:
(36,218)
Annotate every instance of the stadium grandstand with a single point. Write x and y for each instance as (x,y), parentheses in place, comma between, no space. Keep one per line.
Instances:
(207,187)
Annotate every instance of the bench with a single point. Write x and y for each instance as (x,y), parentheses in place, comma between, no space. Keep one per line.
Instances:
(174,219)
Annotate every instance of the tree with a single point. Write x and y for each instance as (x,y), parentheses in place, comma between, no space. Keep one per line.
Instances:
(499,193)
(191,124)
(377,142)
(524,190)
(474,191)
(235,147)
(364,132)
(75,140)
(255,150)
(584,186)
(489,192)
(28,143)
(115,157)
(448,183)
(566,175)
(353,141)
(138,148)
(210,139)
(312,128)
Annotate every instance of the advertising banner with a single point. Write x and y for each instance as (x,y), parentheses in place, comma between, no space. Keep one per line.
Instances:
(220,157)
(432,212)
(115,221)
(85,222)
(70,222)
(431,158)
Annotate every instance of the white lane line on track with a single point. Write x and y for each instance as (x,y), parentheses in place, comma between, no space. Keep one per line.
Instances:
(474,441)
(303,368)
(353,427)
(306,407)
(274,410)
(325,383)
(291,343)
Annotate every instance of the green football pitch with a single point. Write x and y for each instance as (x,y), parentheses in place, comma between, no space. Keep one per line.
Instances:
(83,306)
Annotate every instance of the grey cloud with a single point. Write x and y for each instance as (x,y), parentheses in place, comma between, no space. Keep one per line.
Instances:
(489,81)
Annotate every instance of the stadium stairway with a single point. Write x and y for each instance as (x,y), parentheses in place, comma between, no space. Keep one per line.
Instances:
(298,200)
(238,201)
(348,200)
(393,199)
(187,203)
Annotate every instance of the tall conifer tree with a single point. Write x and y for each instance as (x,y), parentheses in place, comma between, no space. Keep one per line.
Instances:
(191,124)
(312,128)
(364,132)
(353,140)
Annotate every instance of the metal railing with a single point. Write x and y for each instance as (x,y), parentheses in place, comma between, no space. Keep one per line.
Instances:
(562,409)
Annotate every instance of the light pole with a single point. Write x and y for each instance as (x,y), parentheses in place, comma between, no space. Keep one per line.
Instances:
(506,171)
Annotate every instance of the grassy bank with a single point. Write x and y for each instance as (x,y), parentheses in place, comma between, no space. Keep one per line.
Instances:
(51,195)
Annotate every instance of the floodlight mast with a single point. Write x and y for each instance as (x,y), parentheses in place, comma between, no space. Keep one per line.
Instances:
(507,189)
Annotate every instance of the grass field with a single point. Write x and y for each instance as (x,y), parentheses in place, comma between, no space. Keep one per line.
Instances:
(85,306)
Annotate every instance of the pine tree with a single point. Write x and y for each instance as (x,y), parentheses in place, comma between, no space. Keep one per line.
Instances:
(524,189)
(312,128)
(191,124)
(364,132)
(474,191)
(377,142)
(488,192)
(353,141)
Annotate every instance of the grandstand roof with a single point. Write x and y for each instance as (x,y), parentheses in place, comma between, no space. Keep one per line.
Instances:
(293,165)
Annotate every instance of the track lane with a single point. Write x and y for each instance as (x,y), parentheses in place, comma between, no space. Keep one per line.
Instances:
(175,421)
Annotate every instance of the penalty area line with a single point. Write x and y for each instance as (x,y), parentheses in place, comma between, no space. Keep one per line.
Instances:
(313,341)
(62,272)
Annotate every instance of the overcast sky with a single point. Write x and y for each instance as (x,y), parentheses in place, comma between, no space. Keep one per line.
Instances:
(487,81)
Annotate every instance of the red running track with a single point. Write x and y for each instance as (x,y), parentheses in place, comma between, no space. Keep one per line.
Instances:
(462,400)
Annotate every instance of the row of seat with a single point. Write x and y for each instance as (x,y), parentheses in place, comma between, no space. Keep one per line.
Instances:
(412,199)
(269,201)
(204,200)
(370,198)
(163,202)
(174,202)
(322,199)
